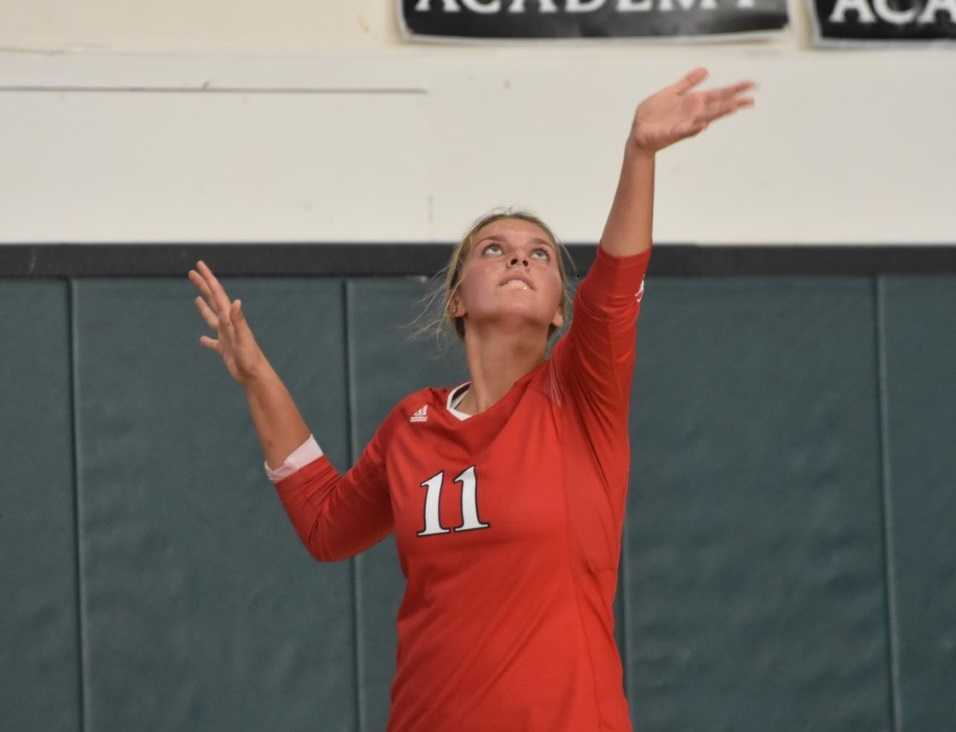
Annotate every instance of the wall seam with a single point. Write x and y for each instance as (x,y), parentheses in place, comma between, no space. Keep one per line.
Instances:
(356,561)
(77,522)
(889,583)
(625,591)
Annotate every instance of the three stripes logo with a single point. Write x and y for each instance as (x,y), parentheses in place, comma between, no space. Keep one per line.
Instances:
(420,415)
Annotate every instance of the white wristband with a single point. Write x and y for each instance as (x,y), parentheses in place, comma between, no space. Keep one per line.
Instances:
(301,456)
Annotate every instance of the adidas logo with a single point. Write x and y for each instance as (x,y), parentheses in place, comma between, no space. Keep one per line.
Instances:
(640,293)
(420,416)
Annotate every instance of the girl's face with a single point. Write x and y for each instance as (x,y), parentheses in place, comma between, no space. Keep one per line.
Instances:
(510,277)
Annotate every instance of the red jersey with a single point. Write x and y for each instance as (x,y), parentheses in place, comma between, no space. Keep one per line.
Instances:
(508,526)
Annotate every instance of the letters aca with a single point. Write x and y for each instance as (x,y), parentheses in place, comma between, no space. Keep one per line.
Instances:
(867,12)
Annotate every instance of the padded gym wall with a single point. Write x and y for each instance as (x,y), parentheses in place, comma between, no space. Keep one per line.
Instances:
(787,562)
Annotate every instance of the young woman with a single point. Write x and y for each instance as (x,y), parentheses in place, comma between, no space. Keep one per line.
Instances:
(506,494)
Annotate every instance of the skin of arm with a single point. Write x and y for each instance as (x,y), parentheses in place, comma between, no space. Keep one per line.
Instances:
(279,425)
(630,222)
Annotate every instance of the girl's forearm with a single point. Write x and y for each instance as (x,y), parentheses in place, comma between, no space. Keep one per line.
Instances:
(629,225)
(278,422)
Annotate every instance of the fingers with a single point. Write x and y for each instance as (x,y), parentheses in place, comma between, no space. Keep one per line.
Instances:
(208,315)
(731,109)
(236,317)
(215,308)
(208,299)
(721,102)
(211,343)
(213,322)
(242,333)
(230,330)
(737,88)
(728,94)
(691,79)
(217,294)
(217,311)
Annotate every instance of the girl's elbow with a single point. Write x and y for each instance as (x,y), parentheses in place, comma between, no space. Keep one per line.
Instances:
(324,551)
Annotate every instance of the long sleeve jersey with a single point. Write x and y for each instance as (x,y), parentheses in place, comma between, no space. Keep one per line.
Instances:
(508,528)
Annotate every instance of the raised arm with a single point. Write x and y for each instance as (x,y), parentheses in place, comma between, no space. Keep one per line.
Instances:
(594,361)
(278,423)
(335,515)
(673,113)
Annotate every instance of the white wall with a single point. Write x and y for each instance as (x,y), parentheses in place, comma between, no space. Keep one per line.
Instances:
(295,121)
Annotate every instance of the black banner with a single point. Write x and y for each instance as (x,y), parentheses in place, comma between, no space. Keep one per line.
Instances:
(857,22)
(588,18)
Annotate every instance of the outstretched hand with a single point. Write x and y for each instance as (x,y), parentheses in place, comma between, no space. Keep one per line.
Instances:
(236,344)
(675,112)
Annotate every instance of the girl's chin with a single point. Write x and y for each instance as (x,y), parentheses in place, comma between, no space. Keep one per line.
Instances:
(512,320)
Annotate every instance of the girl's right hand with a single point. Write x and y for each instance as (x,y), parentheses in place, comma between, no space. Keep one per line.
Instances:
(234,342)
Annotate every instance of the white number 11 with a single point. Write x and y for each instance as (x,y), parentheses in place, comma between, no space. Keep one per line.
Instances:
(469,503)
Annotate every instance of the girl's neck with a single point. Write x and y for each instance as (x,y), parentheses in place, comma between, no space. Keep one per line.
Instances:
(495,364)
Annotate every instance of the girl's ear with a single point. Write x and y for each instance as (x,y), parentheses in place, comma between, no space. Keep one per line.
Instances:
(456,309)
(558,320)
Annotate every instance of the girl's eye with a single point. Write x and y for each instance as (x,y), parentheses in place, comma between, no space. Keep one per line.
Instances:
(539,249)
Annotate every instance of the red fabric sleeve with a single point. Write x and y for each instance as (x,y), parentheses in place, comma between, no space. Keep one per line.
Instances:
(337,516)
(594,360)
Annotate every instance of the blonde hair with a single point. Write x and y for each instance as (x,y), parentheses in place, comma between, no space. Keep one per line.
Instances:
(446,281)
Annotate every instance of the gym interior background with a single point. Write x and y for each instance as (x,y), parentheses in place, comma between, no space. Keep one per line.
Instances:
(788,557)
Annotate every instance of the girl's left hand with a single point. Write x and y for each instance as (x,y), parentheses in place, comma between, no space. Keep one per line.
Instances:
(675,112)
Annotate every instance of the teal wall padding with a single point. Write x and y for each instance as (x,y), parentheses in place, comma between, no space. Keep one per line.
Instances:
(39,642)
(918,330)
(788,556)
(201,608)
(754,563)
